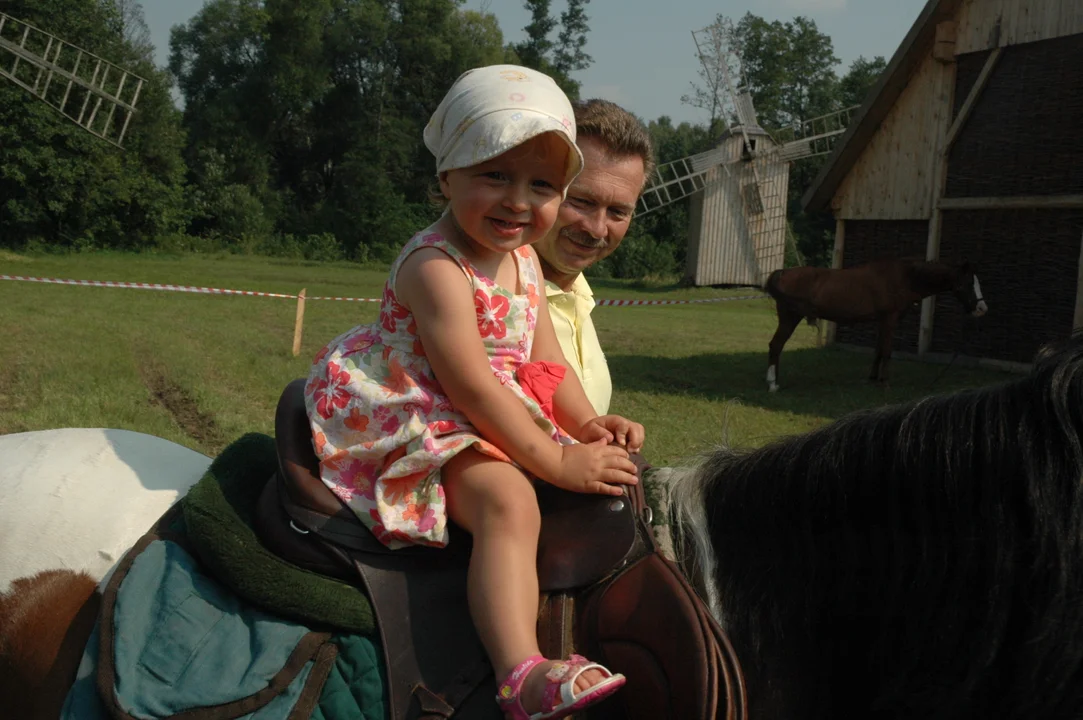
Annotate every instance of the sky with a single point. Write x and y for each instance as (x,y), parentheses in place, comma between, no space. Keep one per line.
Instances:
(644,57)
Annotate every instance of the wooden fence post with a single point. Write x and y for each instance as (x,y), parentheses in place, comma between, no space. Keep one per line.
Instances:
(299,323)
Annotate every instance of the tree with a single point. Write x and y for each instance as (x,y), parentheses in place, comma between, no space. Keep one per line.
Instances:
(307,118)
(860,79)
(788,68)
(558,60)
(134,29)
(62,186)
(717,51)
(570,55)
(534,51)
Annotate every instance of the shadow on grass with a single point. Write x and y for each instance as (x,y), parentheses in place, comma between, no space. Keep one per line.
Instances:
(821,383)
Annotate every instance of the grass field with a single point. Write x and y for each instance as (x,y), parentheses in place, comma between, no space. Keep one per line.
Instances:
(202,370)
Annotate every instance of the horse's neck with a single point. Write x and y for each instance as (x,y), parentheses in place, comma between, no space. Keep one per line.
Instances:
(930,278)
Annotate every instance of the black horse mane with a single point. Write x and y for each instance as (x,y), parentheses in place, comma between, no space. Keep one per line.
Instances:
(916,561)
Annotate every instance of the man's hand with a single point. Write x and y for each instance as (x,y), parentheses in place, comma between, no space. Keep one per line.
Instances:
(614,428)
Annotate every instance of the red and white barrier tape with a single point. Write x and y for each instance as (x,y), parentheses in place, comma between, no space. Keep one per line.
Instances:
(255,293)
(623,303)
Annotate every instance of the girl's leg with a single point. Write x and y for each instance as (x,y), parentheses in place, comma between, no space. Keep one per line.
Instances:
(496,504)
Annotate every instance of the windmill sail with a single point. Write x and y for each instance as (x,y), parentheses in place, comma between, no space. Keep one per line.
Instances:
(92,92)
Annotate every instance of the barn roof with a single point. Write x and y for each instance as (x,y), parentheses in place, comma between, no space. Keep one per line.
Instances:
(878,103)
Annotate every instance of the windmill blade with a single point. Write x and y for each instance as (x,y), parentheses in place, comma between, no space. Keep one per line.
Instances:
(816,136)
(677,180)
(746,112)
(92,92)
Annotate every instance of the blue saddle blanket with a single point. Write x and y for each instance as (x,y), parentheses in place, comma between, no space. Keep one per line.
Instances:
(177,641)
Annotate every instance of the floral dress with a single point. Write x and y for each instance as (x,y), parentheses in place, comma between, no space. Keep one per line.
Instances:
(382,426)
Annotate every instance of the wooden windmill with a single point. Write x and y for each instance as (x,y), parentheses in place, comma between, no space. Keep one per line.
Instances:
(738,189)
(92,92)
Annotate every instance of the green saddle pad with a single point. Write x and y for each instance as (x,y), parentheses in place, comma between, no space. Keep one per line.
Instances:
(219,511)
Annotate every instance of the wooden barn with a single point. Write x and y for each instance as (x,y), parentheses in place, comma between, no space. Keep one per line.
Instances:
(971,147)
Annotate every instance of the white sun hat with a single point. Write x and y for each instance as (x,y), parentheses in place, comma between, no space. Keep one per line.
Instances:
(490,110)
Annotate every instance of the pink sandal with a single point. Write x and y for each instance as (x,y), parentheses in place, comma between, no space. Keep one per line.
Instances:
(560,679)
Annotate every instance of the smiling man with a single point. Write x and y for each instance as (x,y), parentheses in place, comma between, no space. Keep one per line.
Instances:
(593,220)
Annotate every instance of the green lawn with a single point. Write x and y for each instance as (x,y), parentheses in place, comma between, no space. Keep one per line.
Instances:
(202,370)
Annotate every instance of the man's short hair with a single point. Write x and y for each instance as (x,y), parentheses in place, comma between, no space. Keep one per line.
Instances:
(618,130)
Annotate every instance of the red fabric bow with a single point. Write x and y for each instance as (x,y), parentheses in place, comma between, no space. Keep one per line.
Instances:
(540,380)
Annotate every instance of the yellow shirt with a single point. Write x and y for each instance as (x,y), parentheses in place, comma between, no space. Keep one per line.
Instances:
(570,312)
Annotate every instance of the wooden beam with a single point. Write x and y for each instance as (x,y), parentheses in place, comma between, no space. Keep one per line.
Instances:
(944,89)
(972,98)
(836,263)
(944,45)
(1077,321)
(1019,202)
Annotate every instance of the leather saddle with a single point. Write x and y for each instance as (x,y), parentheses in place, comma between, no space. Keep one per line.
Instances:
(436,665)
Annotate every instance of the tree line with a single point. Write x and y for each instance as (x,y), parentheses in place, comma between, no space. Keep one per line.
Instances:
(299,127)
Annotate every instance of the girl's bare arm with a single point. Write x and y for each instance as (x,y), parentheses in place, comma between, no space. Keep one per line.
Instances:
(432,285)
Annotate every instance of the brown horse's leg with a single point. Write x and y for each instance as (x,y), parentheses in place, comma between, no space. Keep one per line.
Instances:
(788,321)
(45,622)
(884,338)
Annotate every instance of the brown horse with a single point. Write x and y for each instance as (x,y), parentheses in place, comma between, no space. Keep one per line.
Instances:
(45,622)
(879,291)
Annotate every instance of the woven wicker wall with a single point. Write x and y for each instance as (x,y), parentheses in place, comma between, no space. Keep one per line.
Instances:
(1024,137)
(1027,262)
(870,239)
(1025,134)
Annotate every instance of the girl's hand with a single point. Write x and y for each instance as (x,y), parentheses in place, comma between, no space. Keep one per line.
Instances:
(595,467)
(627,434)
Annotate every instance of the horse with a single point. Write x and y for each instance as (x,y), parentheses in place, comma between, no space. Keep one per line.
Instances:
(881,291)
(915,560)
(56,486)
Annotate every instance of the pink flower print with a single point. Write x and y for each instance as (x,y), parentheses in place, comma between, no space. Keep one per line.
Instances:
(421,406)
(423,516)
(391,311)
(391,424)
(491,314)
(532,295)
(357,476)
(343,493)
(330,392)
(321,354)
(381,414)
(360,341)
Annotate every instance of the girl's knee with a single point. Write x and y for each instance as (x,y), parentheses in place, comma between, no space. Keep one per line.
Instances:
(514,506)
(485,492)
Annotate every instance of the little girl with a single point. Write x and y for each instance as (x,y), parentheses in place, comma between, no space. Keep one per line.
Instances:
(458,398)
